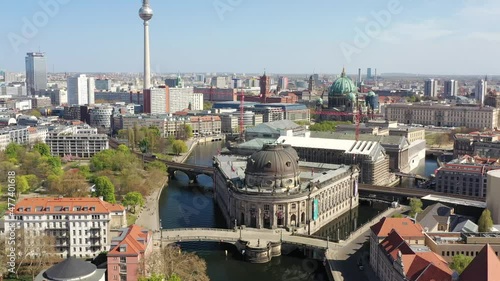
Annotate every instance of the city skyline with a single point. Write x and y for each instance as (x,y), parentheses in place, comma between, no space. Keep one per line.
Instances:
(424,37)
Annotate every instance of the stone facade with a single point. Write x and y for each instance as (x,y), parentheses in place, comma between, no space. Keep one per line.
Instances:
(272,189)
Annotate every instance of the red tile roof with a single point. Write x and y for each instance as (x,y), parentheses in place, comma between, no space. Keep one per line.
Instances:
(417,266)
(135,242)
(51,205)
(404,226)
(484,267)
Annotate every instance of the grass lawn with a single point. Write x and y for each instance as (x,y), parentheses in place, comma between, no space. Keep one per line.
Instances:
(131,218)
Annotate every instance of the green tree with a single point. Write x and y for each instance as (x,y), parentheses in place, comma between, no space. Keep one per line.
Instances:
(14,151)
(123,148)
(156,165)
(460,262)
(397,216)
(131,137)
(42,148)
(105,188)
(133,199)
(22,185)
(174,277)
(179,147)
(207,105)
(188,131)
(35,112)
(33,181)
(122,134)
(485,222)
(415,206)
(144,145)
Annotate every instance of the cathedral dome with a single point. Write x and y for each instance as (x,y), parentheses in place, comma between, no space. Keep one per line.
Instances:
(276,166)
(342,86)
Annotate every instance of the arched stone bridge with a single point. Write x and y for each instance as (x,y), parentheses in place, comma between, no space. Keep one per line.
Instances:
(248,234)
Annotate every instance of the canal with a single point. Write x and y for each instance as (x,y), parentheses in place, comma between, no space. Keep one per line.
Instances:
(182,206)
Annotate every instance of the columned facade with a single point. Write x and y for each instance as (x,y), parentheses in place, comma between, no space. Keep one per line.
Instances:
(299,196)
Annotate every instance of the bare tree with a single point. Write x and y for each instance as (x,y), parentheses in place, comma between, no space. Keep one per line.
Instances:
(170,260)
(35,251)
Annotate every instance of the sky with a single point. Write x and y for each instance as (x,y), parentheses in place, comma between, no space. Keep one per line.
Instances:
(456,37)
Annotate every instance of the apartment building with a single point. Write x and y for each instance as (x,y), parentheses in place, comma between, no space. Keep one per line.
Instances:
(77,141)
(128,250)
(483,144)
(443,115)
(466,176)
(16,134)
(205,125)
(398,252)
(80,226)
(167,124)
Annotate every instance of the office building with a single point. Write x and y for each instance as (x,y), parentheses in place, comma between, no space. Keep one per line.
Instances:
(174,82)
(431,88)
(57,96)
(39,102)
(129,250)
(156,100)
(36,73)
(480,91)
(76,141)
(13,90)
(103,84)
(81,90)
(482,144)
(205,125)
(184,98)
(443,115)
(283,83)
(100,116)
(81,226)
(450,88)
(236,83)
(215,94)
(219,82)
(369,74)
(466,176)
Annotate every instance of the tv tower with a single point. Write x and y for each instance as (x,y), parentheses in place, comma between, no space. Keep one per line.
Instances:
(146,13)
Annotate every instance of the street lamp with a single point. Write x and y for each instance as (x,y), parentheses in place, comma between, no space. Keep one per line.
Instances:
(161,234)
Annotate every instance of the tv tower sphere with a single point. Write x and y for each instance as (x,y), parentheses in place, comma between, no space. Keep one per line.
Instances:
(146,13)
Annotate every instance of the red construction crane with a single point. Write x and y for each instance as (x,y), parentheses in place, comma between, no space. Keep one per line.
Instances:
(358,116)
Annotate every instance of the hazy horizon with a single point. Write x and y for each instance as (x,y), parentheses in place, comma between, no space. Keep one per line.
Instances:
(427,38)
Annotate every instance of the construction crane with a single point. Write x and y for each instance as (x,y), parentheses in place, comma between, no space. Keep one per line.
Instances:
(358,116)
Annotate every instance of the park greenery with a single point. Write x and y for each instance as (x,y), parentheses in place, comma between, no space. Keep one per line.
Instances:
(150,140)
(415,207)
(460,262)
(438,139)
(327,126)
(485,222)
(179,147)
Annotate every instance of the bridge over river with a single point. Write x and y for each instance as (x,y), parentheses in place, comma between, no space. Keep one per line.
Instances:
(253,237)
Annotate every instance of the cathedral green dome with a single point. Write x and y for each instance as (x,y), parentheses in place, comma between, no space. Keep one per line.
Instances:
(342,86)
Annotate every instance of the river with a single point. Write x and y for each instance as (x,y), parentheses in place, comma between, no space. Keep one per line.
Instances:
(182,206)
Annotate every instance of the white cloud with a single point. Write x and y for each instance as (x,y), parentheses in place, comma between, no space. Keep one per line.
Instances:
(423,31)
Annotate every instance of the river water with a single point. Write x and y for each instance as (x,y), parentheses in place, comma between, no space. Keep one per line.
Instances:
(182,206)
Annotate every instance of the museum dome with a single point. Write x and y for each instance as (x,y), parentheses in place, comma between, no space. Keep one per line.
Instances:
(342,86)
(275,166)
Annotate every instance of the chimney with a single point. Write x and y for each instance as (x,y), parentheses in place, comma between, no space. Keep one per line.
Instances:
(101,198)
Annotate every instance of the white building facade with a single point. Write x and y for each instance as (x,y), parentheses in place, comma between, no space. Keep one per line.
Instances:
(81,90)
(81,227)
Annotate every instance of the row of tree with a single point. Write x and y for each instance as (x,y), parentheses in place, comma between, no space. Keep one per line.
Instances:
(152,140)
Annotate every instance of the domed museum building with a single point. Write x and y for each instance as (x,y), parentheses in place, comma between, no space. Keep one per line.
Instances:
(274,189)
